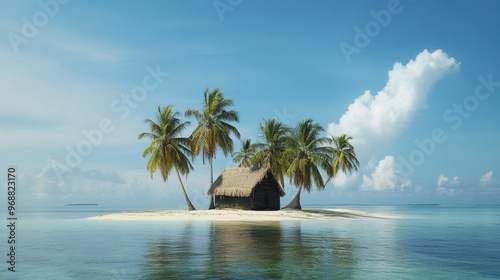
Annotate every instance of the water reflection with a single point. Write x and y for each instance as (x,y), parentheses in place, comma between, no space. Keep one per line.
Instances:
(245,250)
(313,254)
(270,250)
(173,256)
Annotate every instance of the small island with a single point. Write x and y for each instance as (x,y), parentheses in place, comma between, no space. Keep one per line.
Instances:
(231,215)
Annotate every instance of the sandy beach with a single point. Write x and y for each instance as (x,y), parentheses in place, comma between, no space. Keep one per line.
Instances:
(243,215)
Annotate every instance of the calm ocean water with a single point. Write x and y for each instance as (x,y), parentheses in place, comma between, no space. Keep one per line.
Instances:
(430,242)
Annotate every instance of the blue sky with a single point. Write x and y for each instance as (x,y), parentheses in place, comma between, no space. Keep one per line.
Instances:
(416,84)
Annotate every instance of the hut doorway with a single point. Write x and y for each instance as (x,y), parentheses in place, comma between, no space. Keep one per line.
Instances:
(266,197)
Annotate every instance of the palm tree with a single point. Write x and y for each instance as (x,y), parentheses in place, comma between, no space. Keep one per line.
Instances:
(344,156)
(307,153)
(168,149)
(214,129)
(270,152)
(246,153)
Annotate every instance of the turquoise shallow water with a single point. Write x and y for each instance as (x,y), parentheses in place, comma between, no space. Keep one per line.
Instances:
(430,242)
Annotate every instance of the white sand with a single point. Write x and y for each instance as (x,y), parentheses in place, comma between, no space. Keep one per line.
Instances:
(242,215)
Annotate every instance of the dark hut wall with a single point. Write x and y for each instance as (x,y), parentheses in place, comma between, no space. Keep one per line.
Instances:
(259,201)
(244,203)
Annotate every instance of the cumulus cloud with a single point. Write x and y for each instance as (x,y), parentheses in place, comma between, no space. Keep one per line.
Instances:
(487,179)
(447,186)
(487,183)
(57,182)
(342,180)
(444,181)
(385,177)
(55,179)
(373,119)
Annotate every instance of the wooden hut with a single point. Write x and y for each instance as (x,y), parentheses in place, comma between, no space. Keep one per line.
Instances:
(246,188)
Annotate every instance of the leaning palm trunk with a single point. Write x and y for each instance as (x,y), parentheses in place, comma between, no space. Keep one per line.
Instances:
(295,203)
(188,202)
(212,198)
(212,205)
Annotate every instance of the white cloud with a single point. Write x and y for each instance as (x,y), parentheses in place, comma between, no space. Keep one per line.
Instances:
(342,181)
(487,184)
(375,119)
(55,183)
(445,186)
(445,181)
(55,180)
(385,177)
(487,179)
(372,119)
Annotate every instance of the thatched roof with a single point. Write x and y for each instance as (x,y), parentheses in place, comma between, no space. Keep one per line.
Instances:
(240,181)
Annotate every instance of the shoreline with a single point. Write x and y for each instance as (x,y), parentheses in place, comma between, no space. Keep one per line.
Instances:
(242,215)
